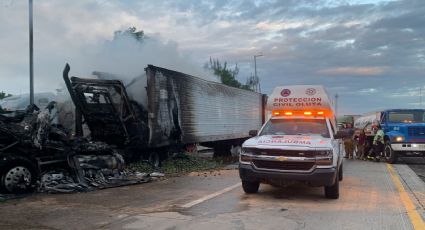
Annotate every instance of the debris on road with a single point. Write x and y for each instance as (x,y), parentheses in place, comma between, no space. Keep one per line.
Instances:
(91,173)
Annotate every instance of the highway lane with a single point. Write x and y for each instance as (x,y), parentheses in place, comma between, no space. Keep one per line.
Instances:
(370,199)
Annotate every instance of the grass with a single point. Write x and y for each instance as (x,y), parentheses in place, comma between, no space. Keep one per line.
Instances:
(182,164)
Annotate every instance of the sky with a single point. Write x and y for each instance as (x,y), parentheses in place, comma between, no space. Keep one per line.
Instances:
(369,52)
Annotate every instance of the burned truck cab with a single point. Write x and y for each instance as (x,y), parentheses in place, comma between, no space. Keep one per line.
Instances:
(29,140)
(108,112)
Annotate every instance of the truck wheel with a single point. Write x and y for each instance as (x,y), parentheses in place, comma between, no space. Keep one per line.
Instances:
(17,178)
(390,155)
(250,187)
(332,192)
(340,173)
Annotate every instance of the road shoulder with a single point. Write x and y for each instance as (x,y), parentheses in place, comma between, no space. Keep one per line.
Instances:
(413,185)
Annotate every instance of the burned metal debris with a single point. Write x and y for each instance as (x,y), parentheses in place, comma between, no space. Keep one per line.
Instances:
(37,153)
(91,172)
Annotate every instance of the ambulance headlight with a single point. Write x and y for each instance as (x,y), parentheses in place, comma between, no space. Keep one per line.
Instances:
(324,157)
(246,156)
(324,153)
(398,138)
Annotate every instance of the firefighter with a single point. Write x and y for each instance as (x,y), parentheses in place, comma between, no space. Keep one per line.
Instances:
(349,142)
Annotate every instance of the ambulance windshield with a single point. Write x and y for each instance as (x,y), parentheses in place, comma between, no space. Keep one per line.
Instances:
(296,127)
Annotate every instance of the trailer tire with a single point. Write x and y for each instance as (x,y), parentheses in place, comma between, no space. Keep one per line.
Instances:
(332,192)
(19,176)
(250,187)
(390,155)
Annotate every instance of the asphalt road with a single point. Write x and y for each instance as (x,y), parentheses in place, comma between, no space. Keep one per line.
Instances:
(417,164)
(373,196)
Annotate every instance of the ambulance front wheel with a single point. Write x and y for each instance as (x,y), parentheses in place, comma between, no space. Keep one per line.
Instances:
(340,173)
(332,192)
(250,186)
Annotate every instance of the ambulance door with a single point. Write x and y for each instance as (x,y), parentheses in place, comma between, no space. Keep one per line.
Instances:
(336,143)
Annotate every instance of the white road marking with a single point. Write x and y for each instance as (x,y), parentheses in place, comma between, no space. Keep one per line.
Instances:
(208,197)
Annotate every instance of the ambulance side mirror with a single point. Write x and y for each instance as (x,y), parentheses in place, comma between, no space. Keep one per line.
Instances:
(340,135)
(253,133)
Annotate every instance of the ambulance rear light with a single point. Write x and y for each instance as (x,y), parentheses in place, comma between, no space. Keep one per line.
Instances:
(308,113)
(288,113)
(276,113)
(320,113)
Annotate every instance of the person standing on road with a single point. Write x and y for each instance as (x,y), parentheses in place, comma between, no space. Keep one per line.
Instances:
(361,145)
(349,142)
(378,142)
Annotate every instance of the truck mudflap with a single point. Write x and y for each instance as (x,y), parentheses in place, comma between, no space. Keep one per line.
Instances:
(318,177)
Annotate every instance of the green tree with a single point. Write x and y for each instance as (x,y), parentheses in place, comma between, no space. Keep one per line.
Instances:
(4,95)
(226,75)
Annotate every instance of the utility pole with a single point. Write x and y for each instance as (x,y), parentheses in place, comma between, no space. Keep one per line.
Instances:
(31,53)
(336,105)
(255,70)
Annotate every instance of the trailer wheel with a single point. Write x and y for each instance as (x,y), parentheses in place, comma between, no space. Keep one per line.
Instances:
(332,192)
(390,155)
(250,186)
(18,177)
(191,149)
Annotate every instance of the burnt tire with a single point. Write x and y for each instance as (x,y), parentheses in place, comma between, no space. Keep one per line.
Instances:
(332,192)
(340,173)
(18,177)
(250,186)
(390,155)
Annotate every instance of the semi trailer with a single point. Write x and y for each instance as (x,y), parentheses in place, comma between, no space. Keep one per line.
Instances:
(162,110)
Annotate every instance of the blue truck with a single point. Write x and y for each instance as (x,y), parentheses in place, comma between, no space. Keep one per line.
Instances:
(404,131)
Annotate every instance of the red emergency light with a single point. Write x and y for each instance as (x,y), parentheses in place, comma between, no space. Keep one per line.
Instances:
(320,113)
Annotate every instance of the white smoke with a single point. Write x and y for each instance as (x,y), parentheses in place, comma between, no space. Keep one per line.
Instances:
(126,58)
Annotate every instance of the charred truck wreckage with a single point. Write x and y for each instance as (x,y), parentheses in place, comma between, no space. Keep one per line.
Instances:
(164,112)
(38,153)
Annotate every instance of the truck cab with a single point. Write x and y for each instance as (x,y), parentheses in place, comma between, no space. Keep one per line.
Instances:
(297,143)
(404,133)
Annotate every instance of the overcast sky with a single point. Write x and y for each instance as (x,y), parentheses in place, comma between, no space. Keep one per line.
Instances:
(370,52)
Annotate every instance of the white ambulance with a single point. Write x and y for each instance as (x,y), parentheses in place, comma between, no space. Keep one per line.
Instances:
(297,143)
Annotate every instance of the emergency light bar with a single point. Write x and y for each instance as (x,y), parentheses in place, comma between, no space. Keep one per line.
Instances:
(300,100)
(276,113)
